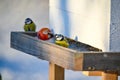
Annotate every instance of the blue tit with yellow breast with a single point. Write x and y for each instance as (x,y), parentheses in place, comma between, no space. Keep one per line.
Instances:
(61,40)
(29,25)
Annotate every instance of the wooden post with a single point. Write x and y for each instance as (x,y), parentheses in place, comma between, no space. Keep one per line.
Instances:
(55,72)
(109,76)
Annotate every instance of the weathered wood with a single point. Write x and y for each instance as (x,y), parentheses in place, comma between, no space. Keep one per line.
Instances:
(68,58)
(79,46)
(109,76)
(43,50)
(55,72)
(75,45)
(102,61)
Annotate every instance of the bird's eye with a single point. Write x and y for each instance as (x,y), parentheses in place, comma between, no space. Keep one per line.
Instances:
(56,36)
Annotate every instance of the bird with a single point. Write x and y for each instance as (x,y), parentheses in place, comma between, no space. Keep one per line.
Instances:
(61,40)
(44,34)
(29,25)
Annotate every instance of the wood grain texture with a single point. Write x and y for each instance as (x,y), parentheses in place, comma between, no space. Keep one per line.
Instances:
(55,72)
(43,49)
(92,73)
(79,62)
(104,61)
(68,58)
(109,76)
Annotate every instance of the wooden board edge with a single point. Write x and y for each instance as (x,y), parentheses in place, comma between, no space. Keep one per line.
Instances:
(95,73)
(92,73)
(78,64)
(110,75)
(56,72)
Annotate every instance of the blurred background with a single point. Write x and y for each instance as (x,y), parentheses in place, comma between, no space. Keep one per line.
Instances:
(15,65)
(89,20)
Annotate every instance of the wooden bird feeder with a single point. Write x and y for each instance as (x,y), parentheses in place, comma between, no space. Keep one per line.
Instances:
(78,57)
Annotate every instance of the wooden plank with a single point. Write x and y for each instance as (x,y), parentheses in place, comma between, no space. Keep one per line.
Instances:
(92,73)
(43,50)
(109,76)
(78,62)
(75,45)
(104,61)
(98,61)
(95,73)
(69,58)
(79,46)
(28,43)
(55,72)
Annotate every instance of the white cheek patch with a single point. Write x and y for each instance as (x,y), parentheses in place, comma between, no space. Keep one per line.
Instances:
(45,32)
(28,22)
(59,38)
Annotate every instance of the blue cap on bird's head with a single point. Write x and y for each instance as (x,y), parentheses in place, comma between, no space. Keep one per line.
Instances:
(28,21)
(59,37)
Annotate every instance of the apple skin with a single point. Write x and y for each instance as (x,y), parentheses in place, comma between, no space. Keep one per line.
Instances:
(43,34)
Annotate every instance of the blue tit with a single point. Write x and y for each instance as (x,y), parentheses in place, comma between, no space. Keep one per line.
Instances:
(61,40)
(29,25)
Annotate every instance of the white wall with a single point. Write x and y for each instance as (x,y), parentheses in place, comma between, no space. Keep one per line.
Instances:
(115,26)
(87,19)
(13,13)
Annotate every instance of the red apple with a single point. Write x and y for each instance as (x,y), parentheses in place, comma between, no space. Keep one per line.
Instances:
(43,34)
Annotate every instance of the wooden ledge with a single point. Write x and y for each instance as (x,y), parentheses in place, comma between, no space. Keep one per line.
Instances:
(79,56)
